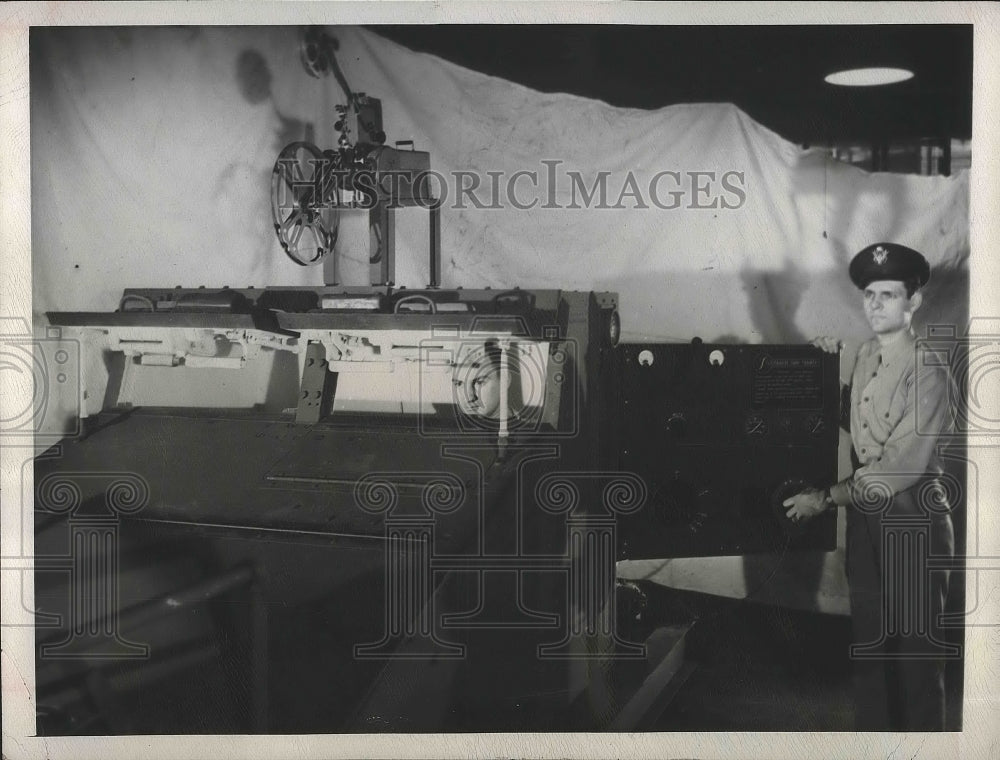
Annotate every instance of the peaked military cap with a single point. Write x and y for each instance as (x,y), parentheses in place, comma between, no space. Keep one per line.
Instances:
(889,261)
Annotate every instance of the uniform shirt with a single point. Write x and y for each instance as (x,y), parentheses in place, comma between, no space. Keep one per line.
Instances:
(901,401)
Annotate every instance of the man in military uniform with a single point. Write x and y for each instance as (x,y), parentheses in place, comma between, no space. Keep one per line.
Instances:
(897,510)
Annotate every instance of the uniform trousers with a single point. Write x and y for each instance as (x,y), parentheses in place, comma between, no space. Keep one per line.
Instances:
(898,653)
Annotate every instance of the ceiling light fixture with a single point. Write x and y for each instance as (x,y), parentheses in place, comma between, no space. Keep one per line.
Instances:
(868,77)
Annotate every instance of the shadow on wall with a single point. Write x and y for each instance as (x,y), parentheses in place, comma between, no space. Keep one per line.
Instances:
(946,302)
(751,306)
(254,78)
(774,299)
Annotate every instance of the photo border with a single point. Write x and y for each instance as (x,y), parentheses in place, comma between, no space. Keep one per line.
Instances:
(982,643)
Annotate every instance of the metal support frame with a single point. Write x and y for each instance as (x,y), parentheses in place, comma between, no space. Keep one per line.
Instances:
(435,246)
(331,268)
(382,248)
(382,244)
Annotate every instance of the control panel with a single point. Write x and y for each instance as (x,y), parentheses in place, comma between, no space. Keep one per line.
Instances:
(721,435)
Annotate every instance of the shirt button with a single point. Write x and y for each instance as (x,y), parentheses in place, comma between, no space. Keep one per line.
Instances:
(864,451)
(875,374)
(864,425)
(887,415)
(866,398)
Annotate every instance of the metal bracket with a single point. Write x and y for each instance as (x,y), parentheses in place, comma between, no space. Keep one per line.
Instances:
(318,384)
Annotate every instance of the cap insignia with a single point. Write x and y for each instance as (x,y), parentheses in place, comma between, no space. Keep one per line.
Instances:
(880,254)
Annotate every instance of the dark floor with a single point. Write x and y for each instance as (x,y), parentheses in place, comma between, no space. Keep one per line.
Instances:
(764,668)
(761,668)
(757,667)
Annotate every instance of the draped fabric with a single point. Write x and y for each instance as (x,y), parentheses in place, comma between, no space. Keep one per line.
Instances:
(152,151)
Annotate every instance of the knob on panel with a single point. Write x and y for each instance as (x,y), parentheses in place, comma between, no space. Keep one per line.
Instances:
(677,424)
(788,488)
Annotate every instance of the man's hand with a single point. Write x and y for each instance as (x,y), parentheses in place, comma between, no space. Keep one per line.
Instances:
(805,505)
(828,344)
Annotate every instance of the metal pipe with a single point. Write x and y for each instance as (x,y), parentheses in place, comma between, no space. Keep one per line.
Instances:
(504,387)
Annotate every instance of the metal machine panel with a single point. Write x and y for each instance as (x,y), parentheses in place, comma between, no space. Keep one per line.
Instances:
(721,434)
(430,532)
(265,473)
(398,504)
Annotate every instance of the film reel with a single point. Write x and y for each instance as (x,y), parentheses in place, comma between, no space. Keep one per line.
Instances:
(305,220)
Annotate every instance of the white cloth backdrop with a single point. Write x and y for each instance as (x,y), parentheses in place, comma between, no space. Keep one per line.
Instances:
(152,150)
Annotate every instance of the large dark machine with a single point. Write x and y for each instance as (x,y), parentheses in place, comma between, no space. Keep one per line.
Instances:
(722,434)
(342,508)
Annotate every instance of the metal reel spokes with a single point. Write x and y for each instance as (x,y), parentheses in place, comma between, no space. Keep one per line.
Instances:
(305,221)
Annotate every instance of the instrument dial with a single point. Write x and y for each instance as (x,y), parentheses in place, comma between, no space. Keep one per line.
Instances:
(755,426)
(815,424)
